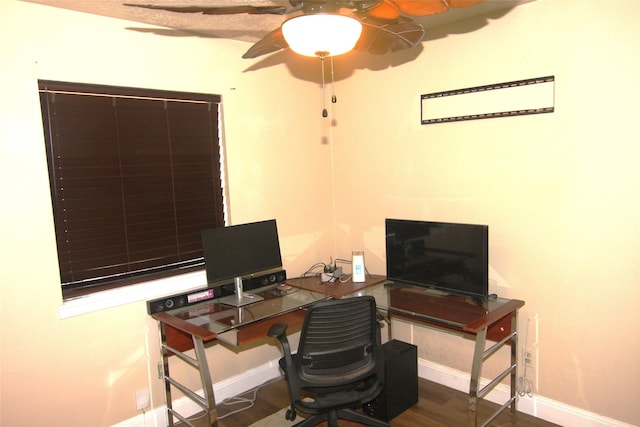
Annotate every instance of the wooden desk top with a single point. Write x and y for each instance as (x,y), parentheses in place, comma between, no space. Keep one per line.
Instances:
(335,289)
(466,314)
(462,313)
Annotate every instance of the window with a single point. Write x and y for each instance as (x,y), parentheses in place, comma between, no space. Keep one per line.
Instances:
(135,175)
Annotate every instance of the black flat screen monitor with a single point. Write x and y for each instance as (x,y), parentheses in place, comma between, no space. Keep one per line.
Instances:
(240,250)
(450,257)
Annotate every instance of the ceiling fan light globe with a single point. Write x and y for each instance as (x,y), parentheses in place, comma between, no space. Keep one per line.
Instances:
(321,34)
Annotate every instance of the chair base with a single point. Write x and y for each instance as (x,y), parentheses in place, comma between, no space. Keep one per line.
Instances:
(342,414)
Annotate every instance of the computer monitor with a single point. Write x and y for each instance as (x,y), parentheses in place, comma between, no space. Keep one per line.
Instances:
(450,257)
(237,251)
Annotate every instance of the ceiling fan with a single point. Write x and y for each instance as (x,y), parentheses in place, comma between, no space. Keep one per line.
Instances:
(387,25)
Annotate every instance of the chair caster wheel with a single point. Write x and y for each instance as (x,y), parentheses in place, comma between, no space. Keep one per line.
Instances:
(291,415)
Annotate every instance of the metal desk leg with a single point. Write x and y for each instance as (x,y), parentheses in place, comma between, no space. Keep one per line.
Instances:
(476,371)
(165,375)
(208,402)
(479,356)
(514,361)
(205,378)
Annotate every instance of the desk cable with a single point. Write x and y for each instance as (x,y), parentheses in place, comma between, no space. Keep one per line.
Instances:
(310,272)
(525,385)
(249,401)
(331,267)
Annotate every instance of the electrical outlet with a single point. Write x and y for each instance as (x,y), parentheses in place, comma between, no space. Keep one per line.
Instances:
(530,357)
(143,399)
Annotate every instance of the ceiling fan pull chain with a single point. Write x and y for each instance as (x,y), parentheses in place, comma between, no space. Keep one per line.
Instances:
(324,101)
(333,87)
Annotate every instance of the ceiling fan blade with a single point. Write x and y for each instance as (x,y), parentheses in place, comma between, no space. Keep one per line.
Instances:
(379,37)
(422,8)
(217,10)
(384,10)
(464,3)
(391,9)
(272,42)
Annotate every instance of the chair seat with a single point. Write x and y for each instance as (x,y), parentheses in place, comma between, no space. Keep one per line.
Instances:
(338,399)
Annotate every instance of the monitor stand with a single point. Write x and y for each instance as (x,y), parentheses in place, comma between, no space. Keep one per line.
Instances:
(240,298)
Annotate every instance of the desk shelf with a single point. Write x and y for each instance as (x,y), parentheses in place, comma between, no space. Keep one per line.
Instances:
(187,328)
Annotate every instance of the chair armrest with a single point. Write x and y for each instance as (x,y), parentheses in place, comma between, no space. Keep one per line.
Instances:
(277,330)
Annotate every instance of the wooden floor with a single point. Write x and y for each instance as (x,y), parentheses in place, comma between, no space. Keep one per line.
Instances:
(438,406)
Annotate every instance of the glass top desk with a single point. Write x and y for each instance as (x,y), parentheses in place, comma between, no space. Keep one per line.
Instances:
(493,319)
(211,319)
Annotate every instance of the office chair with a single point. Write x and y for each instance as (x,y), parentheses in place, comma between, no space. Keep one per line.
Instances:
(339,364)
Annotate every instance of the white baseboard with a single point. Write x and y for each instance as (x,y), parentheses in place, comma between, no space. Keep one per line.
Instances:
(224,389)
(537,406)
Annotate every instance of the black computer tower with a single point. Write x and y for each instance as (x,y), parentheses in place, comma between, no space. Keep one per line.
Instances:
(400,390)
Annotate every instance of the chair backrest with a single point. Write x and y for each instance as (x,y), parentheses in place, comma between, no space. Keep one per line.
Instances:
(339,343)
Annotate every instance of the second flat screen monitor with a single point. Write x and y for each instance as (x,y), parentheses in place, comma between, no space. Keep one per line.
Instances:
(240,250)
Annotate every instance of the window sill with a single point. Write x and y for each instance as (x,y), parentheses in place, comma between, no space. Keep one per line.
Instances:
(134,293)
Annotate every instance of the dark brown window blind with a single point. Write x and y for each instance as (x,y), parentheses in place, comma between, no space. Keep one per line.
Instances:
(135,176)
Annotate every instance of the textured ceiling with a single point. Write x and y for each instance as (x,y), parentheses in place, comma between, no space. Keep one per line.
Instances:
(250,28)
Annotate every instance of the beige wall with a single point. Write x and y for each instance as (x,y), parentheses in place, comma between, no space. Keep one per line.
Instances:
(559,191)
(84,370)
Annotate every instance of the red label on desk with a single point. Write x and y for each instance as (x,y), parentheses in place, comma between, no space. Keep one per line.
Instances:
(200,296)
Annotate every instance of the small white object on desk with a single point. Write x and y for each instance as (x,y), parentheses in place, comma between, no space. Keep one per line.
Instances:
(358,272)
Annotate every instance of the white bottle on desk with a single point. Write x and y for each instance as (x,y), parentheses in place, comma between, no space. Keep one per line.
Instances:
(357,262)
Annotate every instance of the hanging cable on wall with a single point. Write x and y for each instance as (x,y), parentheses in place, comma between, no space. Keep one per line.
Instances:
(333,88)
(325,113)
(525,384)
(334,99)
